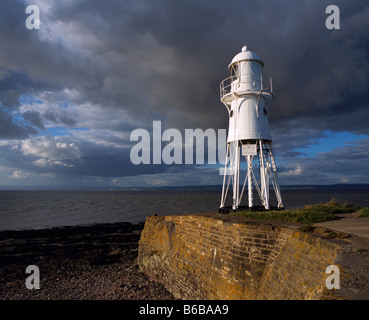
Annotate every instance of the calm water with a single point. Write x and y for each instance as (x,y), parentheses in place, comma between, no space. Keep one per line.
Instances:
(43,209)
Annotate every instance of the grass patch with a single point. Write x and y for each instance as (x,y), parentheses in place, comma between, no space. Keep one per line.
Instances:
(306,215)
(360,250)
(307,228)
(333,234)
(364,213)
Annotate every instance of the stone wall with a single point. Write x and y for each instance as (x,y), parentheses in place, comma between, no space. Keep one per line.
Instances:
(207,257)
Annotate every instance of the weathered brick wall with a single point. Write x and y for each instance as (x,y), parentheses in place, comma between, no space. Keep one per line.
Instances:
(296,267)
(199,257)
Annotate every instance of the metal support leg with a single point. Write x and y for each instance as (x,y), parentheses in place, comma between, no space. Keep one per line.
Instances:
(249,177)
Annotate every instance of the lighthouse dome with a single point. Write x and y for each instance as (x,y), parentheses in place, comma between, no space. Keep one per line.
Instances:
(245,55)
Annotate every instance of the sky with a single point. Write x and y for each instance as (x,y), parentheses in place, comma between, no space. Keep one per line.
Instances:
(73,91)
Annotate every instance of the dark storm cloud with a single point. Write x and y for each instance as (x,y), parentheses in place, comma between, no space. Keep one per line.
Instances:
(34,119)
(11,130)
(168,57)
(293,138)
(164,60)
(60,118)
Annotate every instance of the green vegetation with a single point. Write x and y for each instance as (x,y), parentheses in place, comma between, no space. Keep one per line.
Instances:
(307,228)
(364,213)
(333,234)
(306,215)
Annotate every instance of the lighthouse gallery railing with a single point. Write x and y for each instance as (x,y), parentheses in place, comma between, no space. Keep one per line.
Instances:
(225,86)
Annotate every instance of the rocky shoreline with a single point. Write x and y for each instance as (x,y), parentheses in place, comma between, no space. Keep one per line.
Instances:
(95,262)
(99,262)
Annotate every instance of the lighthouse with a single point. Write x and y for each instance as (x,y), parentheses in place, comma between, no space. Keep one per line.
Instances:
(249,142)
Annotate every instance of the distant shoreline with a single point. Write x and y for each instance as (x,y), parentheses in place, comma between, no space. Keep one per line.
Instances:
(201,187)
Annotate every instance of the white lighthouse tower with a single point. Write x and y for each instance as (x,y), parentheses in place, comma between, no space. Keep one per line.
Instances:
(248,103)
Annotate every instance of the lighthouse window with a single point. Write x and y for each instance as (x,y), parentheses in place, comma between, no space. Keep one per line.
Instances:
(234,70)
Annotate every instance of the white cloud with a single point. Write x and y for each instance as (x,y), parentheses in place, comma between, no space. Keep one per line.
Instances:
(42,162)
(19,174)
(50,148)
(108,138)
(85,122)
(293,172)
(47,175)
(50,151)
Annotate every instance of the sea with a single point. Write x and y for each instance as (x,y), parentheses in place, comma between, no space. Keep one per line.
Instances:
(21,210)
